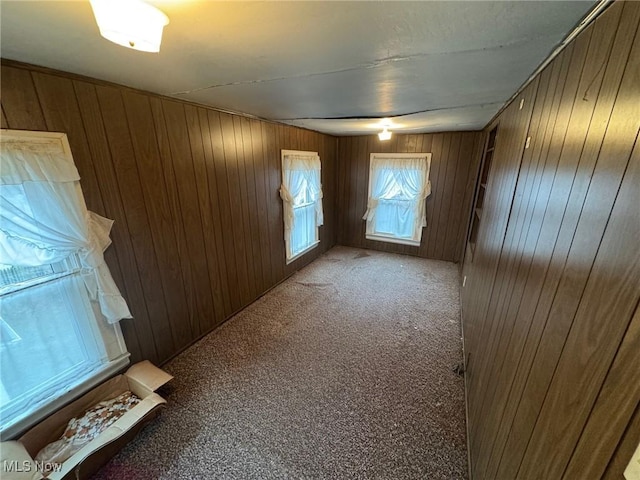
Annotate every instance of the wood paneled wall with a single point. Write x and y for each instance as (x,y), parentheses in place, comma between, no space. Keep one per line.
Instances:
(198,230)
(550,317)
(454,165)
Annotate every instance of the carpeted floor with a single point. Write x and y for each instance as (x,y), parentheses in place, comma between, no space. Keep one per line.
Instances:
(344,371)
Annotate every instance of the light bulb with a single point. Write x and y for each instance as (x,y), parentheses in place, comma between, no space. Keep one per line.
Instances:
(384,134)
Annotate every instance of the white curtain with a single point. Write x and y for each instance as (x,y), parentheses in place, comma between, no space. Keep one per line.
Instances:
(301,187)
(44,219)
(397,193)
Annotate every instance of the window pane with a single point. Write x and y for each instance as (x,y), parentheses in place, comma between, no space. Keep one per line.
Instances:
(10,275)
(303,234)
(14,278)
(47,346)
(395,218)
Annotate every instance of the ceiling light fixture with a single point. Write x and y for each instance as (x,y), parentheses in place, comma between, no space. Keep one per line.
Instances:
(384,134)
(130,23)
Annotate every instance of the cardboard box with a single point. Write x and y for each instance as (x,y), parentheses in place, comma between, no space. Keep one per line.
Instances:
(142,379)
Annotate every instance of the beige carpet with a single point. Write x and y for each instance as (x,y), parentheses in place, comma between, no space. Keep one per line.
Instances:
(344,371)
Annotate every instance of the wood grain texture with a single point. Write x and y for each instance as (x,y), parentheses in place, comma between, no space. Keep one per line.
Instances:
(129,186)
(613,410)
(453,170)
(520,237)
(626,447)
(198,230)
(553,286)
(608,297)
(20,103)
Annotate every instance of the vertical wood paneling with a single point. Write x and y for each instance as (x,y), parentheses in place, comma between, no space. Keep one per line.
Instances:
(352,220)
(244,217)
(217,247)
(119,256)
(362,184)
(206,217)
(276,219)
(170,186)
(452,238)
(145,148)
(613,410)
(4,123)
(608,296)
(533,243)
(254,223)
(556,312)
(190,211)
(528,190)
(329,185)
(433,206)
(127,174)
(224,200)
(267,139)
(236,223)
(497,206)
(198,230)
(447,191)
(453,169)
(259,174)
(625,449)
(342,185)
(20,103)
(553,286)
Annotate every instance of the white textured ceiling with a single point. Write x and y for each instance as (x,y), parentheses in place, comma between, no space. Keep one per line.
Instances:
(335,67)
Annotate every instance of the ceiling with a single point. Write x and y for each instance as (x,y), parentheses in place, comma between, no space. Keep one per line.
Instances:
(335,67)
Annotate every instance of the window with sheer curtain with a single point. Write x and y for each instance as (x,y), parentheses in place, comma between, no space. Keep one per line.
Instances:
(398,187)
(59,305)
(301,194)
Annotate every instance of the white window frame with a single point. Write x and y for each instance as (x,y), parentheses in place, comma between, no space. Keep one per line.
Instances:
(316,242)
(379,237)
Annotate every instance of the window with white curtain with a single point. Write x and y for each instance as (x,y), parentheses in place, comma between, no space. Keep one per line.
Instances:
(398,187)
(59,306)
(301,193)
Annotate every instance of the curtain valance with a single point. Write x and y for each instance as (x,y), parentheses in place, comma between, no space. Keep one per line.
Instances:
(44,219)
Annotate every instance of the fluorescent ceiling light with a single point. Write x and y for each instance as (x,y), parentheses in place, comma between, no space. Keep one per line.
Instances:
(130,23)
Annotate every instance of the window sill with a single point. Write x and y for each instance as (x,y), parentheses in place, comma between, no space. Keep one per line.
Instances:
(22,424)
(389,239)
(307,250)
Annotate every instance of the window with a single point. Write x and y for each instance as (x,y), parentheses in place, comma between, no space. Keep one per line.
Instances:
(301,193)
(59,307)
(398,186)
